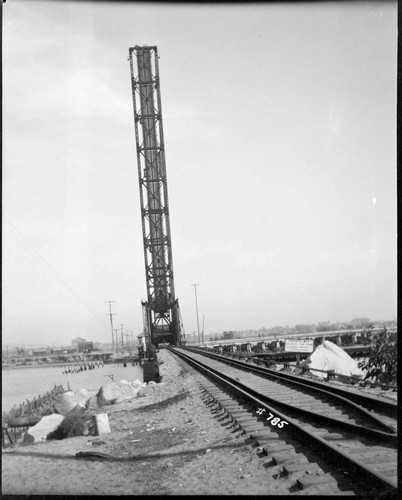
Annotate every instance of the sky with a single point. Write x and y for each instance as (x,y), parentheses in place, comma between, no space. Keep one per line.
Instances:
(280,137)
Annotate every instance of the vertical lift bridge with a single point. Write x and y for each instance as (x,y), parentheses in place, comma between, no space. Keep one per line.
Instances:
(161,314)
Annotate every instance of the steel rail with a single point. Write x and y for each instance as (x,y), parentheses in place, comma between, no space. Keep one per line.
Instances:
(354,379)
(389,436)
(332,452)
(316,417)
(376,403)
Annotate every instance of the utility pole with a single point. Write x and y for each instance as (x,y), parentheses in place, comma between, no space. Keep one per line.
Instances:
(122,335)
(117,341)
(202,333)
(110,302)
(196,309)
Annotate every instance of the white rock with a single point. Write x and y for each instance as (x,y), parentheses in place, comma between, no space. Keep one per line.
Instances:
(64,403)
(137,382)
(67,401)
(39,432)
(78,408)
(91,402)
(85,393)
(116,392)
(145,391)
(102,424)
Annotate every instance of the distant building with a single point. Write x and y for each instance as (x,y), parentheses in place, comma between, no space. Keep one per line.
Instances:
(277,330)
(78,340)
(192,337)
(70,350)
(40,353)
(359,321)
(227,335)
(83,345)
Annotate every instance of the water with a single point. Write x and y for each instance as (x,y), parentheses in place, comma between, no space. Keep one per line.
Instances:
(19,384)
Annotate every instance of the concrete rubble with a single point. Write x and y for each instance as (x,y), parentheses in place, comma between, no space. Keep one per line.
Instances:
(145,391)
(77,404)
(39,432)
(116,392)
(102,424)
(67,401)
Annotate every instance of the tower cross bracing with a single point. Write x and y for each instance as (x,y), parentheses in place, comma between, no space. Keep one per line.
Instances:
(161,306)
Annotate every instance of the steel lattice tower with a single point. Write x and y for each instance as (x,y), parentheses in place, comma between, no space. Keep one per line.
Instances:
(162,321)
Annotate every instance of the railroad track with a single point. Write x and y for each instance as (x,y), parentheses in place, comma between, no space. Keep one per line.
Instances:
(376,405)
(328,443)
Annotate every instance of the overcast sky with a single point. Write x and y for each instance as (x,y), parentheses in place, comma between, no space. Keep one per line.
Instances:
(280,134)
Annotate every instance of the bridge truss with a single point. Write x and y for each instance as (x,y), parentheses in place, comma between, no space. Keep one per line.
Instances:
(161,313)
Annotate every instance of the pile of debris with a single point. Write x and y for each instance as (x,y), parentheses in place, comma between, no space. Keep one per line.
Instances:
(78,413)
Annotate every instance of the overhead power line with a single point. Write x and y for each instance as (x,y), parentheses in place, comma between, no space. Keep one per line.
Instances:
(39,256)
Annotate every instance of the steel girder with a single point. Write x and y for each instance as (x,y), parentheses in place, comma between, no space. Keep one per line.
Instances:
(163,316)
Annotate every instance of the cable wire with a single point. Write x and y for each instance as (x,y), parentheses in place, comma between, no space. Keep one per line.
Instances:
(39,256)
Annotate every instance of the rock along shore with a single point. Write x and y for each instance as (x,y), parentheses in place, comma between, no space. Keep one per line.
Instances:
(163,441)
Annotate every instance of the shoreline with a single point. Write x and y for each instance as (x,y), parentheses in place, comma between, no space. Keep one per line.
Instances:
(167,442)
(50,365)
(46,365)
(178,446)
(22,384)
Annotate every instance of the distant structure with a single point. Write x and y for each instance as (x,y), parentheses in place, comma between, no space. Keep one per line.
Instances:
(359,321)
(77,340)
(83,345)
(161,314)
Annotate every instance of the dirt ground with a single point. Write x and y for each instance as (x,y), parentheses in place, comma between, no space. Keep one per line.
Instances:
(168,443)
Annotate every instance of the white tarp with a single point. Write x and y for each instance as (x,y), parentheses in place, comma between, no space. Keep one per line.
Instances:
(329,356)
